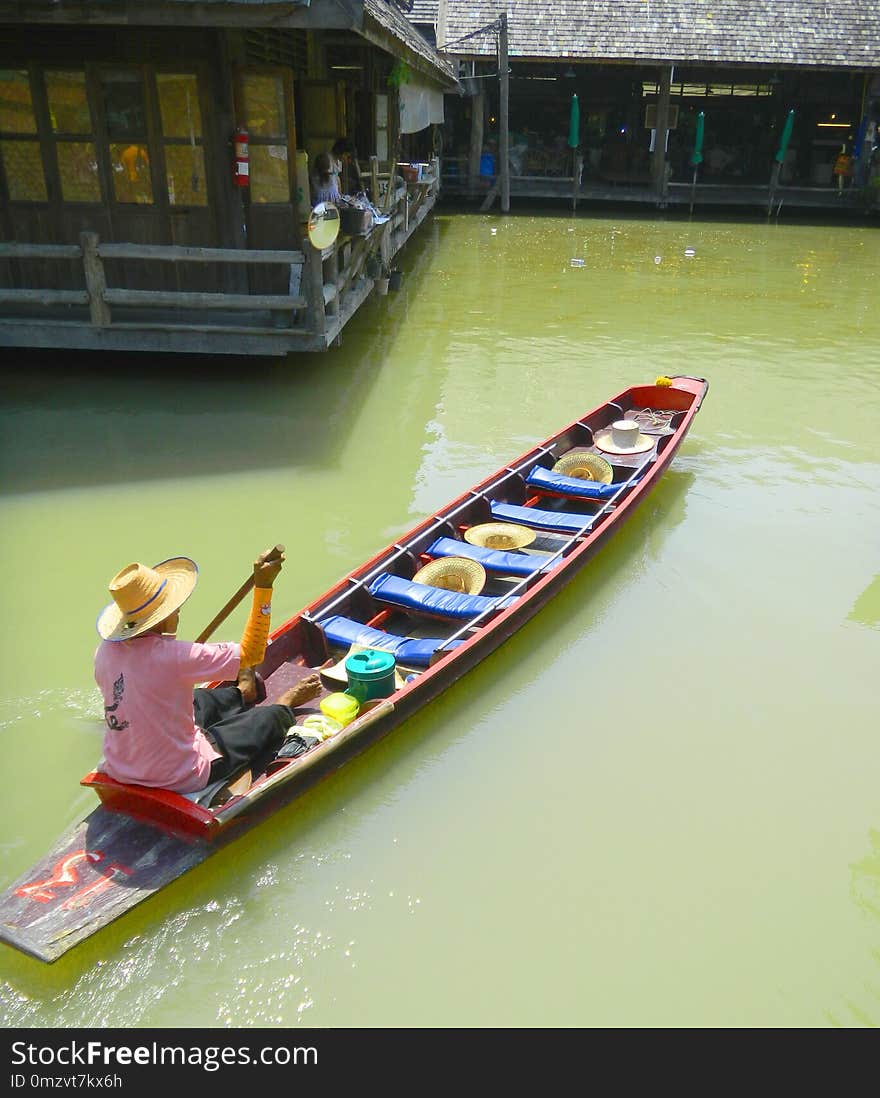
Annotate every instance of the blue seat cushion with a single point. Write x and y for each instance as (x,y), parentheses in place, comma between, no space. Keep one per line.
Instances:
(557,521)
(493,560)
(408,650)
(433,600)
(545,480)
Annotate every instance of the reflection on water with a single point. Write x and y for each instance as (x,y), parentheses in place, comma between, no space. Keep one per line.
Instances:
(666,775)
(866,609)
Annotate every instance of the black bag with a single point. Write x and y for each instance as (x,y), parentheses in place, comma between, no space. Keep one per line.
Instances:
(354,221)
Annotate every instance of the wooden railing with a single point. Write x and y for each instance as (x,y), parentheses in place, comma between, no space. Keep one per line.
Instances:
(100,297)
(319,279)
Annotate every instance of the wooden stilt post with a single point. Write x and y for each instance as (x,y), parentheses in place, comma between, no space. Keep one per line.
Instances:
(503,114)
(314,288)
(576,181)
(476,148)
(661,133)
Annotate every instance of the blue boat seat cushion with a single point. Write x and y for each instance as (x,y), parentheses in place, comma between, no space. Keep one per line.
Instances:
(410,651)
(493,560)
(545,480)
(557,521)
(433,600)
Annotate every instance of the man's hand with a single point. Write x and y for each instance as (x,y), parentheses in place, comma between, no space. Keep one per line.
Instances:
(266,569)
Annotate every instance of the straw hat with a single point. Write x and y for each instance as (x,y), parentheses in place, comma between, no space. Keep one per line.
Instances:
(585,466)
(624,437)
(143,597)
(453,574)
(500,535)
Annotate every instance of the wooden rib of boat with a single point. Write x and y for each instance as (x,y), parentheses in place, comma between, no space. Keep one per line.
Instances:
(138,839)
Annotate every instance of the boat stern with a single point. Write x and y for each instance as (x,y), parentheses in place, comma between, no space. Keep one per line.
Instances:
(168,811)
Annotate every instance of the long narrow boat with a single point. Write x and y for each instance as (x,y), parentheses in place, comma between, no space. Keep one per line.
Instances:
(519,536)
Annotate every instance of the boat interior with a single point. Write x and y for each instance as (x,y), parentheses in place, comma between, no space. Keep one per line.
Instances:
(382,605)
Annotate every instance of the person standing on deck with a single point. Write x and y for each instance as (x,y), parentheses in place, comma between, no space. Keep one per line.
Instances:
(325,185)
(344,165)
(160,731)
(842,169)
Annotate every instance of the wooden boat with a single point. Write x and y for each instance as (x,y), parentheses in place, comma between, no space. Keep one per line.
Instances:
(565,497)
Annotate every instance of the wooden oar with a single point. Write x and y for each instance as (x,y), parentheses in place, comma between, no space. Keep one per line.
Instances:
(273,554)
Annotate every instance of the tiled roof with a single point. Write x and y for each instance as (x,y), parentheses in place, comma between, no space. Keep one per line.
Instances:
(423,11)
(819,33)
(388,15)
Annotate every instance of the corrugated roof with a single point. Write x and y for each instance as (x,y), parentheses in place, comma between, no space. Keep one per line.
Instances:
(817,33)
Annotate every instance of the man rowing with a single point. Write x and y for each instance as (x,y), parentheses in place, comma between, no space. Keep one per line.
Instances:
(160,731)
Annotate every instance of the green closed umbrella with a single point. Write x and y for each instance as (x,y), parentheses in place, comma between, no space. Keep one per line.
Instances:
(574,124)
(786,137)
(697,154)
(778,159)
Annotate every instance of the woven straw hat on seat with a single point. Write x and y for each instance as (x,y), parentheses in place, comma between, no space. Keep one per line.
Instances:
(585,466)
(144,597)
(624,437)
(468,577)
(500,535)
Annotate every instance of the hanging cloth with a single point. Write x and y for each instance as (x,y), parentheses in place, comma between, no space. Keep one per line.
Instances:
(420,106)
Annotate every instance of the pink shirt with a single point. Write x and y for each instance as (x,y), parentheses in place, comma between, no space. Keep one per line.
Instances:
(147,683)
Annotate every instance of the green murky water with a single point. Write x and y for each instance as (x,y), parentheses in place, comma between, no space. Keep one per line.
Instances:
(656,806)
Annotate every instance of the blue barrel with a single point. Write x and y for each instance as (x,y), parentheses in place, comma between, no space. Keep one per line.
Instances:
(370,674)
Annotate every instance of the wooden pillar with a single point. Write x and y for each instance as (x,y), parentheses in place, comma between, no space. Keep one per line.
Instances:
(440,26)
(661,134)
(476,149)
(503,114)
(576,179)
(374,179)
(96,283)
(314,287)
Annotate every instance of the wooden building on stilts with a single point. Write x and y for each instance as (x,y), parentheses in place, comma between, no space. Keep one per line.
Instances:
(154,168)
(782,96)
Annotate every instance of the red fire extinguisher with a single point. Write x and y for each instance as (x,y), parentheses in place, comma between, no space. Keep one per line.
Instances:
(240,158)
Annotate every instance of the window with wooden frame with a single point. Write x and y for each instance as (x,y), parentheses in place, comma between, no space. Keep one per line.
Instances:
(19,139)
(182,138)
(70,119)
(266,101)
(124,105)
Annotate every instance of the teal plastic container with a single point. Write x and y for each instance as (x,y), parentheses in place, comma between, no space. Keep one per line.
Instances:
(370,674)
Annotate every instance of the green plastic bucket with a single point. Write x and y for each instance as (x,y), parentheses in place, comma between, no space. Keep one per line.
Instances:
(370,674)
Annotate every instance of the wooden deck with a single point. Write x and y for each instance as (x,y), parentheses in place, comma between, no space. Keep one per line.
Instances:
(324,291)
(562,189)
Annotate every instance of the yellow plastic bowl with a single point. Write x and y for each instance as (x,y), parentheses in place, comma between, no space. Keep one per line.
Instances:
(340,707)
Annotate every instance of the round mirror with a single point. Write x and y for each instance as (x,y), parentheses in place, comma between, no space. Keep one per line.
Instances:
(324,225)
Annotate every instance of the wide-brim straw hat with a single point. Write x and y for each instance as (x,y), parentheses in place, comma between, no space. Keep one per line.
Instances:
(468,577)
(624,437)
(500,535)
(336,674)
(143,597)
(584,466)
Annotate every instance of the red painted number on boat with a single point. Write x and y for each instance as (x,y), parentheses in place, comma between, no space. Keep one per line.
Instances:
(66,873)
(110,873)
